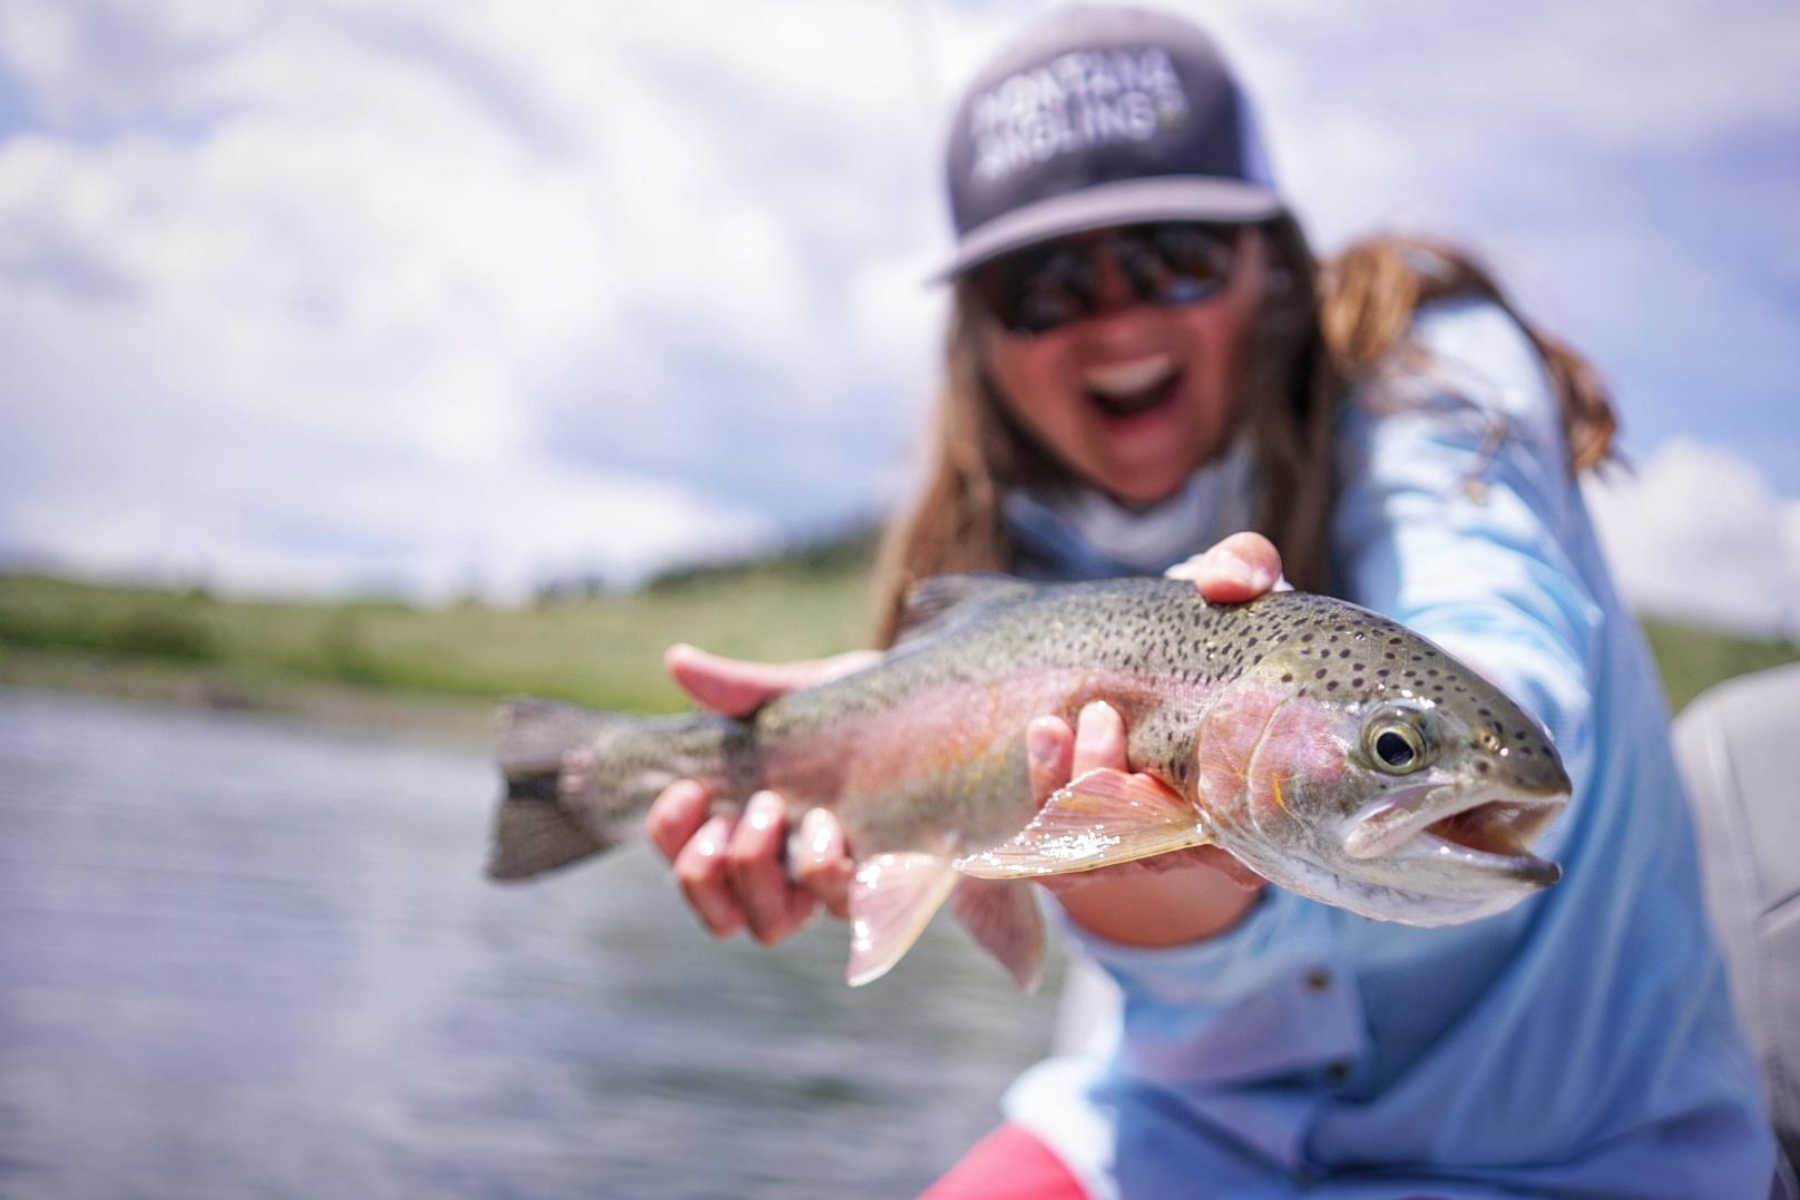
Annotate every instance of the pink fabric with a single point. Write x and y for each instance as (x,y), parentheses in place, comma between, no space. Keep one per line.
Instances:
(1008,1164)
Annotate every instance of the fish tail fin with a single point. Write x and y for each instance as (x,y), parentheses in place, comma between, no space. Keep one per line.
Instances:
(577,784)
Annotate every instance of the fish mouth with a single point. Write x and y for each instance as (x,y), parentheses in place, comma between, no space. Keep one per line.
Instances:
(1494,836)
(1491,834)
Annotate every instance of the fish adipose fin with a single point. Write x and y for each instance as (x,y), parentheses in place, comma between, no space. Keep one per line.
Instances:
(1004,919)
(892,899)
(1102,818)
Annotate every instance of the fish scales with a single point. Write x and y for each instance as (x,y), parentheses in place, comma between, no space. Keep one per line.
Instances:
(1327,747)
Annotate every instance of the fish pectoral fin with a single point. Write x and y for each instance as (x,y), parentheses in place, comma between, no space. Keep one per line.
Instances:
(892,899)
(1102,818)
(1004,918)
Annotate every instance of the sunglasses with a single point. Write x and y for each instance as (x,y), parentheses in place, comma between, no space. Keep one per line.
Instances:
(1168,263)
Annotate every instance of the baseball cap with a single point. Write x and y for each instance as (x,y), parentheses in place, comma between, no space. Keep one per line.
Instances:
(1098,117)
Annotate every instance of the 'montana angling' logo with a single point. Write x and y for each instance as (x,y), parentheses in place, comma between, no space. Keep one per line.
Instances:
(1082,99)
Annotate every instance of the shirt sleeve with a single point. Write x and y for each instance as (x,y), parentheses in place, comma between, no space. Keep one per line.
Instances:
(1457,510)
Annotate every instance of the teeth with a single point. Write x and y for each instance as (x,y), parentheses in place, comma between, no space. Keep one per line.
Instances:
(1129,378)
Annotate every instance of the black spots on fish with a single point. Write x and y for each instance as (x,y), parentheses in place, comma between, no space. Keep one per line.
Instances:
(1287,677)
(1382,672)
(1484,712)
(1482,766)
(1306,637)
(1319,674)
(1518,735)
(1357,683)
(1331,685)
(1343,654)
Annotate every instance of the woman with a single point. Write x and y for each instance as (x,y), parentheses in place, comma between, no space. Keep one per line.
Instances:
(1142,359)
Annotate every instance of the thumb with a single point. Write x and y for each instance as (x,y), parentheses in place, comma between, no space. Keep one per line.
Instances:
(734,686)
(1242,567)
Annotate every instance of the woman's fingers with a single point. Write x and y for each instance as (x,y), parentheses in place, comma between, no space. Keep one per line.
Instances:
(1242,567)
(1099,740)
(731,869)
(754,874)
(700,869)
(676,816)
(734,687)
(821,862)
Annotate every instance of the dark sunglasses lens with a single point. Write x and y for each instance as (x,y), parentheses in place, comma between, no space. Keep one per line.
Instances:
(1038,290)
(1177,263)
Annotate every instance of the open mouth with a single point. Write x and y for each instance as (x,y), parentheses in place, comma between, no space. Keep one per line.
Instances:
(1496,835)
(1489,836)
(1132,388)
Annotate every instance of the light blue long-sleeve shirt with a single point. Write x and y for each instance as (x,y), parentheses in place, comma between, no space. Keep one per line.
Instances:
(1580,1044)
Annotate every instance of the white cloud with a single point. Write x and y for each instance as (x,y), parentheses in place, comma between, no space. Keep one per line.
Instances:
(313,271)
(418,293)
(1696,534)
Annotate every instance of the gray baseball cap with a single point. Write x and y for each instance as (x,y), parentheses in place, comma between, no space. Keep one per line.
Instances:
(1098,117)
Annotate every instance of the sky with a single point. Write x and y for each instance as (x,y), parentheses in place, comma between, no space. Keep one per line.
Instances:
(437,298)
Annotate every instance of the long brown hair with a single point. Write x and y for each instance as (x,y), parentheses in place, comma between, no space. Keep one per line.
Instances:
(1319,330)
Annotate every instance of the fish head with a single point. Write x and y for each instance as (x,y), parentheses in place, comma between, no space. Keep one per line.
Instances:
(1413,795)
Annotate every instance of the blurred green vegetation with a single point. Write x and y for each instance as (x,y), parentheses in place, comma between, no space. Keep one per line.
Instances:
(595,648)
(1692,660)
(578,642)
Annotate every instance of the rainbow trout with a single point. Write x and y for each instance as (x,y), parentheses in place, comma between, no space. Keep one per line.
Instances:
(1331,750)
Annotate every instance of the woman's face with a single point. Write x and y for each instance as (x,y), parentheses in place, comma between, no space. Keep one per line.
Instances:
(1135,397)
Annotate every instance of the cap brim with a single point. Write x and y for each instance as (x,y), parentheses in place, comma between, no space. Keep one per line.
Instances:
(1125,202)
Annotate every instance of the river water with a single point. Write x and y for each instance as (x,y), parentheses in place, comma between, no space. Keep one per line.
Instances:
(240,957)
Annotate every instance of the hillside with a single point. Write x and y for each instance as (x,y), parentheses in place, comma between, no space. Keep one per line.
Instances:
(385,665)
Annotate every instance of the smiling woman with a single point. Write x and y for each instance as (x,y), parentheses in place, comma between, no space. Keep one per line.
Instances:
(1143,358)
(1141,387)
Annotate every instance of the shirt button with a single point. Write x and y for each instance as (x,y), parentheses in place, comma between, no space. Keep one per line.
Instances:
(1318,979)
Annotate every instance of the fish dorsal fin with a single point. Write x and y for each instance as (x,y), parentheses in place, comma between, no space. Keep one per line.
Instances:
(892,899)
(1004,919)
(932,603)
(1104,817)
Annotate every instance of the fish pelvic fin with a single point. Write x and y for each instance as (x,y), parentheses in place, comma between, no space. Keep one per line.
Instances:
(892,899)
(1103,818)
(1004,920)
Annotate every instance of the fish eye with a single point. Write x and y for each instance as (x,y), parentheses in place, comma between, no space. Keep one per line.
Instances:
(1395,746)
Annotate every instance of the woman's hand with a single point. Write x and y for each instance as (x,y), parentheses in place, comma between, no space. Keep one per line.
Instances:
(730,868)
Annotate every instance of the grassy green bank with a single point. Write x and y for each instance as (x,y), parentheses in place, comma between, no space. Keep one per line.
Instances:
(392,667)
(399,667)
